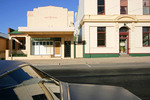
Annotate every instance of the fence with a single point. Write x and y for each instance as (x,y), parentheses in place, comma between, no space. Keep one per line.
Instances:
(18,53)
(2,55)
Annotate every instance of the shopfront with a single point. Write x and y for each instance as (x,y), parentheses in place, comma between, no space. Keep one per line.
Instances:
(46,46)
(46,36)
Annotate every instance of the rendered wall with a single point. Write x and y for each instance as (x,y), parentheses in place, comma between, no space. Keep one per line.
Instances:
(78,17)
(112,38)
(136,38)
(112,7)
(135,7)
(50,16)
(81,11)
(90,7)
(113,21)
(79,50)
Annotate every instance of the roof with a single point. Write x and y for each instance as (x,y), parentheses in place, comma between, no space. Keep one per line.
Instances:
(7,66)
(15,32)
(4,35)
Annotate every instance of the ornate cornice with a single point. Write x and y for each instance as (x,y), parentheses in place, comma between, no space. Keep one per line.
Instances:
(115,19)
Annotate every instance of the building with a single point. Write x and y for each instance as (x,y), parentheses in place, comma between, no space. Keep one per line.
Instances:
(49,34)
(112,28)
(3,45)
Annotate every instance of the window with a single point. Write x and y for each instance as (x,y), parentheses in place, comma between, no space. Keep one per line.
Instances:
(47,43)
(101,7)
(42,46)
(21,45)
(146,36)
(51,43)
(146,7)
(124,29)
(14,44)
(44,43)
(101,33)
(123,7)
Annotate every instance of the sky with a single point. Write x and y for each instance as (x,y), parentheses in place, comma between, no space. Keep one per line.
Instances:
(13,13)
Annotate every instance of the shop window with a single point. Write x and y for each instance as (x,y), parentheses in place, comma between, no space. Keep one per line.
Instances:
(33,43)
(41,43)
(123,7)
(146,36)
(146,7)
(47,43)
(101,36)
(40,47)
(51,43)
(37,43)
(101,7)
(44,43)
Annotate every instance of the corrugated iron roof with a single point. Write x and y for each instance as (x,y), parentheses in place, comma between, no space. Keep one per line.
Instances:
(4,35)
(15,32)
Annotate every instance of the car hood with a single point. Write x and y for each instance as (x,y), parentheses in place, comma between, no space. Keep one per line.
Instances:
(95,92)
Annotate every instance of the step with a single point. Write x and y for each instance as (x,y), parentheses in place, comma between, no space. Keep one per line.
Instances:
(124,55)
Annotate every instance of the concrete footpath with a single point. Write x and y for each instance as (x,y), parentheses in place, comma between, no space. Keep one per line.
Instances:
(90,61)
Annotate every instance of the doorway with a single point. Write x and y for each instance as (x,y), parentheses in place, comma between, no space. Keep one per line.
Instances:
(57,48)
(124,40)
(67,48)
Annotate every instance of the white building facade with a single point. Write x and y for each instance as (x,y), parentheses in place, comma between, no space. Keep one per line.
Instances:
(48,35)
(111,28)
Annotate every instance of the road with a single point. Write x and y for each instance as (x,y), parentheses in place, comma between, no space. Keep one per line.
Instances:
(135,77)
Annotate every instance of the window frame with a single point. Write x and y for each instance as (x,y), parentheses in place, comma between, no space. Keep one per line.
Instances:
(100,6)
(101,39)
(124,6)
(147,32)
(146,6)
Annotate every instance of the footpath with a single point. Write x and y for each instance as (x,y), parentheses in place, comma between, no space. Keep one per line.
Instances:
(79,61)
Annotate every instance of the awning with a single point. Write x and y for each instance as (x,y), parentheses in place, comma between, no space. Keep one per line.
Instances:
(46,30)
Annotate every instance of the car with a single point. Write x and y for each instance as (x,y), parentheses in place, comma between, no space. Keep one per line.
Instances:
(22,81)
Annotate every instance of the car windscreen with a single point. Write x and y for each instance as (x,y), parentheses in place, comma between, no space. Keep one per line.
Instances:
(18,76)
(22,74)
(22,77)
(14,78)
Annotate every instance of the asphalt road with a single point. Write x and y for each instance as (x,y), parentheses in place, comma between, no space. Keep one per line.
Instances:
(135,77)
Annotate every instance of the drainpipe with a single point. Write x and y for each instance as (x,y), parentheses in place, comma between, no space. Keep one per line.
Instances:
(89,43)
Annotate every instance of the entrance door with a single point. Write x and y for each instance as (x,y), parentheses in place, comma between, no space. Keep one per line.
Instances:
(123,46)
(124,40)
(67,48)
(57,48)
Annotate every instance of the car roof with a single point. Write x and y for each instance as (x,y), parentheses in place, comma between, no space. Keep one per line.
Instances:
(6,66)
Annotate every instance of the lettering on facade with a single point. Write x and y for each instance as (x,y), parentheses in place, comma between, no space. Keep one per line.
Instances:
(30,14)
(50,17)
